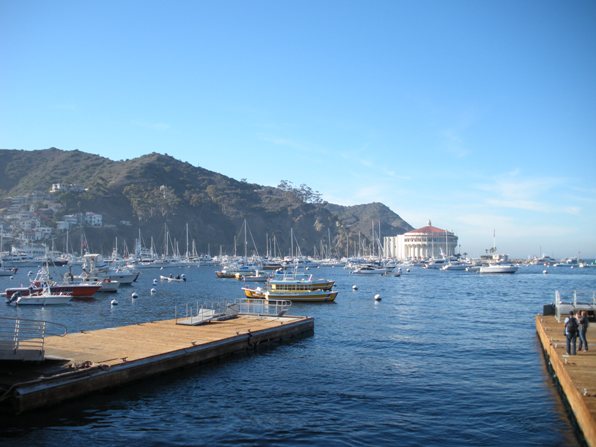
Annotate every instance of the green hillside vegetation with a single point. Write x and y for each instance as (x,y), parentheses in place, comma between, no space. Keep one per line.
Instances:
(156,192)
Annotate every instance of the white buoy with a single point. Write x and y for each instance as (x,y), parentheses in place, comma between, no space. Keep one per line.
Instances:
(114,302)
(154,281)
(545,271)
(354,287)
(377,297)
(134,295)
(408,270)
(29,273)
(11,277)
(153,291)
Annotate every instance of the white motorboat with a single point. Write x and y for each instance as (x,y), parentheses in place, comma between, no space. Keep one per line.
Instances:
(369,269)
(456,265)
(498,268)
(44,298)
(96,269)
(172,278)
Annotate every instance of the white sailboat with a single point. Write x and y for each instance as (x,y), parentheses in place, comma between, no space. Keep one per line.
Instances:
(498,263)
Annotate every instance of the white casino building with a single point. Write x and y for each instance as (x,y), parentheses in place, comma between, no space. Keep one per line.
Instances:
(423,243)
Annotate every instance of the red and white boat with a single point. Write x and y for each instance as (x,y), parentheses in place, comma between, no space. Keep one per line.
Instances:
(73,290)
(43,281)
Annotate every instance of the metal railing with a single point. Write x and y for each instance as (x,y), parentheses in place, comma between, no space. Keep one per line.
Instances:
(200,313)
(573,300)
(270,308)
(24,339)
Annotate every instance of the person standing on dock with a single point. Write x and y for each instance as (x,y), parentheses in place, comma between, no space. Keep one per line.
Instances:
(583,328)
(571,329)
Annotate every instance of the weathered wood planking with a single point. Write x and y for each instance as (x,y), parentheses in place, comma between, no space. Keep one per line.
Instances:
(111,357)
(576,374)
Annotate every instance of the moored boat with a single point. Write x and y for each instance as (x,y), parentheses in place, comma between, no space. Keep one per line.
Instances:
(75,290)
(369,269)
(498,268)
(8,271)
(298,281)
(172,278)
(256,277)
(43,280)
(456,265)
(43,298)
(96,269)
(310,296)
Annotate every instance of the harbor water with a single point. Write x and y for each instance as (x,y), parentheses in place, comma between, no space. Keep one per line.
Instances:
(444,358)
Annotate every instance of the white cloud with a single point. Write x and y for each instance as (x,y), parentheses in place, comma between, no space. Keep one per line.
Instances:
(537,194)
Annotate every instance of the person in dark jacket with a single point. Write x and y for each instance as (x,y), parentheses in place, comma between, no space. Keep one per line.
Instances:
(584,322)
(571,329)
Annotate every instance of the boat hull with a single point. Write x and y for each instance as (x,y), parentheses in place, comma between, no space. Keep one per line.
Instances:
(498,269)
(306,296)
(168,279)
(41,300)
(74,290)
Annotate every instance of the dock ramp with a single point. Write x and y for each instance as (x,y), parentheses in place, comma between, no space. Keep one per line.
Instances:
(23,339)
(202,313)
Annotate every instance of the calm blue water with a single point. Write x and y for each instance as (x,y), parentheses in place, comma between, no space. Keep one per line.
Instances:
(446,358)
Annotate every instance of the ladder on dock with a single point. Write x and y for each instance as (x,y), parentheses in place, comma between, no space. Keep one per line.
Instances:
(23,339)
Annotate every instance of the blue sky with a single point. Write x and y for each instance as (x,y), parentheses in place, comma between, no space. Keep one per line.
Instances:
(477,115)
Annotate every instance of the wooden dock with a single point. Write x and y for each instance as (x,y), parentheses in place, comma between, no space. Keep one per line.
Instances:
(89,361)
(575,374)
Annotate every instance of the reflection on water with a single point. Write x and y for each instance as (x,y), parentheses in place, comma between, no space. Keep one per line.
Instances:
(446,358)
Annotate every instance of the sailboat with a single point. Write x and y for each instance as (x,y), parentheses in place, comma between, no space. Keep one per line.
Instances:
(498,263)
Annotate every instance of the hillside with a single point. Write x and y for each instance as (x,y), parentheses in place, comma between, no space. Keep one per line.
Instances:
(156,192)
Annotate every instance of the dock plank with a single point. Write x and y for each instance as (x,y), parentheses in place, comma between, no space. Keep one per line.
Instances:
(147,339)
(576,374)
(98,359)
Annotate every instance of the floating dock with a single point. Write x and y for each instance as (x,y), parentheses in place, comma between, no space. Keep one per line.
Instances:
(575,374)
(89,361)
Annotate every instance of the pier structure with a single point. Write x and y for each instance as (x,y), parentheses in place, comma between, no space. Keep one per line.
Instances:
(574,374)
(84,362)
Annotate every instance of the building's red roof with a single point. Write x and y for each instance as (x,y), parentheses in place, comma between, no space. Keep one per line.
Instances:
(429,229)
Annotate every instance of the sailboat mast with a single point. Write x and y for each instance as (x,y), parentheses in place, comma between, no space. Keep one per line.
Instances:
(372,241)
(187,253)
(245,242)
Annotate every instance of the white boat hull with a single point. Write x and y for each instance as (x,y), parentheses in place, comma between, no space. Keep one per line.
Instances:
(42,300)
(507,268)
